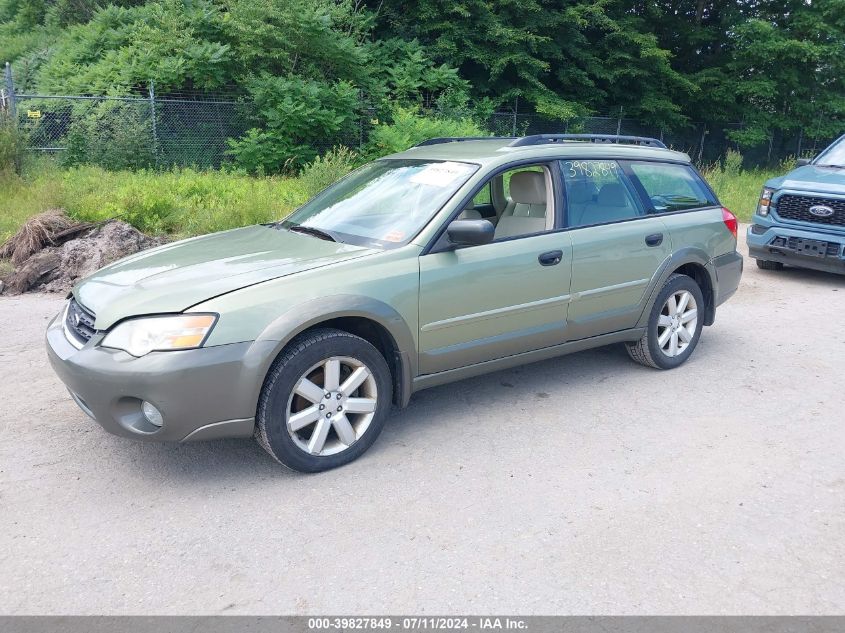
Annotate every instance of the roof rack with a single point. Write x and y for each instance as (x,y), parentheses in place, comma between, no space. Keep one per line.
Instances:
(458,139)
(542,139)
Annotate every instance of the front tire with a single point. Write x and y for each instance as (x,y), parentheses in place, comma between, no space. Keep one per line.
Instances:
(324,401)
(674,325)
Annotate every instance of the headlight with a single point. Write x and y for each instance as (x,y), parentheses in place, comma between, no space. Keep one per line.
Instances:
(765,201)
(147,334)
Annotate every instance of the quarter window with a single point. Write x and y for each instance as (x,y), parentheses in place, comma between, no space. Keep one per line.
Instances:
(672,187)
(597,192)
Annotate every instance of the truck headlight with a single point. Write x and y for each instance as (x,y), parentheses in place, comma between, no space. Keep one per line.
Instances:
(160,333)
(765,201)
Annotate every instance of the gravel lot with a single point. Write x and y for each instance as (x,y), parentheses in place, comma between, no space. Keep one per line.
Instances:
(586,484)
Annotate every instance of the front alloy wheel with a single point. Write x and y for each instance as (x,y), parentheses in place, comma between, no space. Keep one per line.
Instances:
(332,406)
(324,401)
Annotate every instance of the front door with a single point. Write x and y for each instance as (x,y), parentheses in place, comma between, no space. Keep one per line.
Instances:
(492,301)
(480,303)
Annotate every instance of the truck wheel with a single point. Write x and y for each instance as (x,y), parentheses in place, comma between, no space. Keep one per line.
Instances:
(674,325)
(767,265)
(324,401)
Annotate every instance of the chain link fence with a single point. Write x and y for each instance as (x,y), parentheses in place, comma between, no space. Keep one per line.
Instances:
(131,132)
(192,129)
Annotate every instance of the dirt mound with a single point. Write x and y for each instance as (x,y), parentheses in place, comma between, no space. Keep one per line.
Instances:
(56,267)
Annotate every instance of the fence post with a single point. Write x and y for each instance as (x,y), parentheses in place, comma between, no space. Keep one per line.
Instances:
(515,110)
(619,122)
(10,89)
(701,145)
(800,139)
(153,120)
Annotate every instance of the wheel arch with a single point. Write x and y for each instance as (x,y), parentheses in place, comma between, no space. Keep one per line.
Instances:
(694,263)
(373,320)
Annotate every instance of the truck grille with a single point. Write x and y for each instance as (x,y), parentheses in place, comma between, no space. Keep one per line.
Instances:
(79,322)
(792,207)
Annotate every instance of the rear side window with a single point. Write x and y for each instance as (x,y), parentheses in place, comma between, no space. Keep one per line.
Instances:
(597,192)
(672,187)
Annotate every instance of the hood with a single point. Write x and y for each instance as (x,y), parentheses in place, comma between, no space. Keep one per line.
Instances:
(174,277)
(814,178)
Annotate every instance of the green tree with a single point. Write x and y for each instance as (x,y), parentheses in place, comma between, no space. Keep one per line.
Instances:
(562,57)
(786,71)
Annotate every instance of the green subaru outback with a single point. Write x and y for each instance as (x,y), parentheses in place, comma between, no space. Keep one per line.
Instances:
(452,259)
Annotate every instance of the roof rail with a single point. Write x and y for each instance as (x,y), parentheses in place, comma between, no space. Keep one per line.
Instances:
(458,139)
(542,139)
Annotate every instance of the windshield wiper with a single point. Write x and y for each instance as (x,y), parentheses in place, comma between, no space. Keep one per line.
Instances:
(310,230)
(830,165)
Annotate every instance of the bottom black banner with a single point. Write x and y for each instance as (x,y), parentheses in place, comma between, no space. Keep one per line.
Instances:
(401,623)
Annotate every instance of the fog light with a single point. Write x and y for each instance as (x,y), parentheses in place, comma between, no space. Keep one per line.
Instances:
(152,414)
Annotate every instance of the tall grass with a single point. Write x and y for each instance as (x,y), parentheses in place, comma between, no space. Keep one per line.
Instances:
(181,202)
(12,145)
(739,189)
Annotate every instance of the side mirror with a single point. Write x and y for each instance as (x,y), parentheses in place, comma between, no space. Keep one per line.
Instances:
(803,161)
(470,232)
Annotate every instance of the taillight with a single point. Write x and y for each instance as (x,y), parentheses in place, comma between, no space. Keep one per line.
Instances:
(730,221)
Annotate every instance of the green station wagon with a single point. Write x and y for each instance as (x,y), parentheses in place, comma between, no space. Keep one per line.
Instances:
(449,260)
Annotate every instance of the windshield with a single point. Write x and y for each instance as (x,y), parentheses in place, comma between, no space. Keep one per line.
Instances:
(384,203)
(833,155)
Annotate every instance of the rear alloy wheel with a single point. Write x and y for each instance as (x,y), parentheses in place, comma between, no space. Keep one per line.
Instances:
(677,323)
(324,401)
(674,325)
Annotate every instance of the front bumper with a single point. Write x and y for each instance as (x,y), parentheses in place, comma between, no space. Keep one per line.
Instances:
(764,244)
(205,393)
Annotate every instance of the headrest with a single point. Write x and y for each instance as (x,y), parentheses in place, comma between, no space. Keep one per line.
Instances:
(528,187)
(612,195)
(580,191)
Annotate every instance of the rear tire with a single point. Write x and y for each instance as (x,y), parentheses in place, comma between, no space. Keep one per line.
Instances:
(324,401)
(674,325)
(767,265)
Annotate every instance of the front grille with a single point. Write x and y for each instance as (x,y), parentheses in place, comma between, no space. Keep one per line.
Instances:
(792,207)
(79,322)
(832,250)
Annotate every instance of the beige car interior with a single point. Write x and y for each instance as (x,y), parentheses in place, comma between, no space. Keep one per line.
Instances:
(527,208)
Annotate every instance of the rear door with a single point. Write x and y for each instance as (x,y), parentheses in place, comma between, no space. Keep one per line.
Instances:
(617,248)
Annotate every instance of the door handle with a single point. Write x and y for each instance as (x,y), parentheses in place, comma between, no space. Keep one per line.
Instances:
(655,239)
(551,258)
